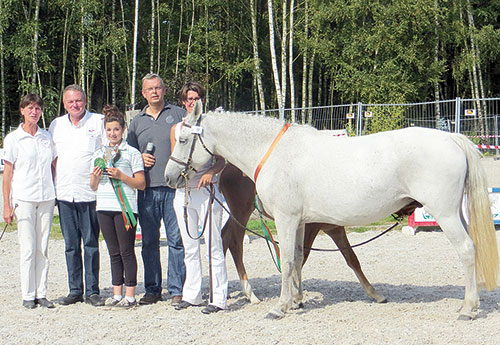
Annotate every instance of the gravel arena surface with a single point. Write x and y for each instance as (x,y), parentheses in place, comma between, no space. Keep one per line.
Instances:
(420,275)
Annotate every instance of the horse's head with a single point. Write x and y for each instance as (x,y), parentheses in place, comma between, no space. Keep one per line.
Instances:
(190,153)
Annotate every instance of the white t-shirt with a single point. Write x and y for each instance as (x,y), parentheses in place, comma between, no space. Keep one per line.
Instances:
(31,157)
(75,146)
(129,163)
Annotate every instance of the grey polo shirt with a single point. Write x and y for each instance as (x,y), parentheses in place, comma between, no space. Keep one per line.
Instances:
(144,128)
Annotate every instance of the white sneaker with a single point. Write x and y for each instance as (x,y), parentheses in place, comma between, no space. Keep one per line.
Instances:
(111,301)
(124,303)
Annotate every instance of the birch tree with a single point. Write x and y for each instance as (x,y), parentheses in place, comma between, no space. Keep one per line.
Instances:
(257,74)
(290,61)
(477,79)
(134,56)
(284,52)
(305,57)
(3,96)
(274,61)
(35,52)
(152,37)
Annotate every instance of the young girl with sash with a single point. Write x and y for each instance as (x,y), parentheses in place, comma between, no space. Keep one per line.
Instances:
(117,172)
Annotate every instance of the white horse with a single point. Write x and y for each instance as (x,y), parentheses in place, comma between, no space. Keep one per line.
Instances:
(311,177)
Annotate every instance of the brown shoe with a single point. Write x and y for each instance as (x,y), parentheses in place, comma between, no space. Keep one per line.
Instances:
(176,300)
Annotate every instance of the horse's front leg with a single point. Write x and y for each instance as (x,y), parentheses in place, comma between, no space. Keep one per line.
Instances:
(297,294)
(287,228)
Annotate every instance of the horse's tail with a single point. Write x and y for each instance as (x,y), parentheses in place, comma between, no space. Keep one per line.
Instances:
(481,226)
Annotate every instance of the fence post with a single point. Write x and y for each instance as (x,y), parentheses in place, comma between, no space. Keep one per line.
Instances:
(359,129)
(458,103)
(496,138)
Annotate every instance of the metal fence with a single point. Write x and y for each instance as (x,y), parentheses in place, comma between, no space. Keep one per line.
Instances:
(476,118)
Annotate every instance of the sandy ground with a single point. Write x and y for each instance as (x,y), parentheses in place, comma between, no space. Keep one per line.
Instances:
(420,275)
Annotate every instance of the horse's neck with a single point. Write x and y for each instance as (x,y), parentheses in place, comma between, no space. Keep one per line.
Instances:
(242,140)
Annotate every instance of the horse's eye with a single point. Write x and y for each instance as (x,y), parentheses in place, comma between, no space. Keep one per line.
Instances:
(182,141)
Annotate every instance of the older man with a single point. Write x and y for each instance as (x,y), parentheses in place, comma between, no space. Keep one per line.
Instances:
(76,136)
(149,132)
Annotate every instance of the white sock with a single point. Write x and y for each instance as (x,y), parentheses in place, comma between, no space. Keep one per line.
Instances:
(131,299)
(118,297)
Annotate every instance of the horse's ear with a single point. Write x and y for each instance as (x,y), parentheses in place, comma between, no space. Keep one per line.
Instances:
(198,108)
(193,116)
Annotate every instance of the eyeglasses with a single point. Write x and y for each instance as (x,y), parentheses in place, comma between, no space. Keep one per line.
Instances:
(191,99)
(151,89)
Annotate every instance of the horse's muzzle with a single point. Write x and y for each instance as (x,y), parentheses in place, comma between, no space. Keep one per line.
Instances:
(178,182)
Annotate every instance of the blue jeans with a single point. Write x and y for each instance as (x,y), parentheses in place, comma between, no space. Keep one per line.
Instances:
(155,204)
(79,222)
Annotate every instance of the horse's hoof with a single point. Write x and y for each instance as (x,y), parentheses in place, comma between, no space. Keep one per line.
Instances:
(298,306)
(274,315)
(463,317)
(381,299)
(254,299)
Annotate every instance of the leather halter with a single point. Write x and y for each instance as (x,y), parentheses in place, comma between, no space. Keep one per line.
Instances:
(271,148)
(187,165)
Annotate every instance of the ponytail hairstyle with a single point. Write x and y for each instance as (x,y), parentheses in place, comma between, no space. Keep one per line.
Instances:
(112,113)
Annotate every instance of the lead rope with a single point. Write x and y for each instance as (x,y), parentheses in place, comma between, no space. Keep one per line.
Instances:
(313,249)
(269,238)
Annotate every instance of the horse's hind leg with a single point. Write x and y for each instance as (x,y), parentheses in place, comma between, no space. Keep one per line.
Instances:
(338,235)
(311,231)
(232,237)
(239,192)
(455,231)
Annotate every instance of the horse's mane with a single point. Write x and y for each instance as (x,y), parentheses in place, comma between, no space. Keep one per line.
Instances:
(260,118)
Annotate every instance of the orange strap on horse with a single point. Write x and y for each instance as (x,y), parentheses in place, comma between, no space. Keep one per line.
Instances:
(271,148)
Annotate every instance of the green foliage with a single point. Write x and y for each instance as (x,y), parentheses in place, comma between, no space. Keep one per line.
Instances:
(385,119)
(371,52)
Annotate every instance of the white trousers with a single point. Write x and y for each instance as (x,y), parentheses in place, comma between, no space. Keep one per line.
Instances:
(34,220)
(198,203)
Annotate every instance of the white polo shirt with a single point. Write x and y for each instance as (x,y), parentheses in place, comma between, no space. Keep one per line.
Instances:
(129,163)
(75,146)
(31,157)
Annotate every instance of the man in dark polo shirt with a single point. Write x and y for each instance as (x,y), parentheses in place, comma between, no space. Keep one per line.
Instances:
(149,132)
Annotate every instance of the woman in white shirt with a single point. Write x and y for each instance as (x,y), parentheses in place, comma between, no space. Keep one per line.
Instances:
(28,185)
(196,211)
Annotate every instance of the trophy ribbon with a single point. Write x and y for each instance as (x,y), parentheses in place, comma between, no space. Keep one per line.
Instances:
(111,156)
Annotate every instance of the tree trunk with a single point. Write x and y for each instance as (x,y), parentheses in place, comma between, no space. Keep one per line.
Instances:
(134,56)
(129,74)
(81,76)
(310,89)
(207,64)
(35,51)
(284,53)
(158,64)
(305,54)
(188,50)
(2,75)
(436,59)
(256,59)
(152,38)
(274,62)
(179,40)
(290,62)
(475,70)
(113,58)
(65,44)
